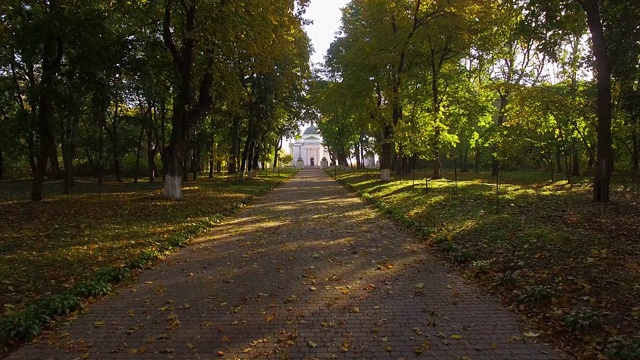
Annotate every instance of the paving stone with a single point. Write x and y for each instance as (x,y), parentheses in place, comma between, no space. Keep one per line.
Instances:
(306,272)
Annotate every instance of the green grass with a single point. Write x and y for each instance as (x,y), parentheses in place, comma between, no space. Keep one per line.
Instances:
(543,247)
(77,245)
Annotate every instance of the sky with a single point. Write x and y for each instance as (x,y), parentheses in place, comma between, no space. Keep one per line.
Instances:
(326,22)
(325,15)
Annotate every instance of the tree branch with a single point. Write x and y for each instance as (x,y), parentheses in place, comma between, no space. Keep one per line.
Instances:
(167,37)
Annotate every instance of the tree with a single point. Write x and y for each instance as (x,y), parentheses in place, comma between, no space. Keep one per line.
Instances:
(603,20)
(201,34)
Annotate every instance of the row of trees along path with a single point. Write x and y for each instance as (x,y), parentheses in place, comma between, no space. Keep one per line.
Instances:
(512,83)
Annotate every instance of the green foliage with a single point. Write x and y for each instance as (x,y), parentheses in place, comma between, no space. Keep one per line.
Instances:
(623,348)
(583,319)
(23,325)
(463,256)
(536,295)
(507,279)
(449,247)
(59,305)
(114,274)
(93,289)
(481,267)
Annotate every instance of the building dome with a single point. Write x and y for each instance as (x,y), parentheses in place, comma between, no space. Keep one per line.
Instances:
(311,130)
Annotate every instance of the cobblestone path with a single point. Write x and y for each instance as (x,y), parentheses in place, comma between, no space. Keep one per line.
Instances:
(306,272)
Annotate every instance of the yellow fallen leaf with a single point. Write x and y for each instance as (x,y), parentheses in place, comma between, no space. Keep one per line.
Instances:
(456,337)
(98,323)
(531,334)
(311,344)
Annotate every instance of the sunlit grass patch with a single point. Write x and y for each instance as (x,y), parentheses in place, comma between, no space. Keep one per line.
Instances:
(52,246)
(543,246)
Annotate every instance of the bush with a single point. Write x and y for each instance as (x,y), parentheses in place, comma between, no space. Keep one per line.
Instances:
(61,304)
(93,289)
(583,319)
(23,325)
(537,295)
(622,348)
(463,256)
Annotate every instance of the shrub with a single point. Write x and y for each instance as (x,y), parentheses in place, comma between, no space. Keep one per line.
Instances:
(60,304)
(537,295)
(463,256)
(623,348)
(23,325)
(583,319)
(92,289)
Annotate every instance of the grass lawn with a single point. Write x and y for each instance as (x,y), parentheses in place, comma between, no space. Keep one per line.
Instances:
(569,266)
(55,246)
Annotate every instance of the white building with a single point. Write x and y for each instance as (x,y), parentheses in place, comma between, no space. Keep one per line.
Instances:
(309,150)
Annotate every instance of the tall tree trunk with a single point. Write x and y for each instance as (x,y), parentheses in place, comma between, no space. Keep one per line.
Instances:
(575,161)
(248,161)
(255,160)
(276,153)
(437,165)
(162,138)
(185,162)
(435,98)
(235,146)
(495,164)
(52,53)
(151,149)
(55,173)
(604,162)
(67,158)
(113,135)
(139,151)
(1,165)
(361,147)
(68,153)
(385,154)
(173,178)
(100,162)
(245,155)
(32,153)
(635,151)
(212,156)
(185,112)
(46,138)
(465,160)
(195,162)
